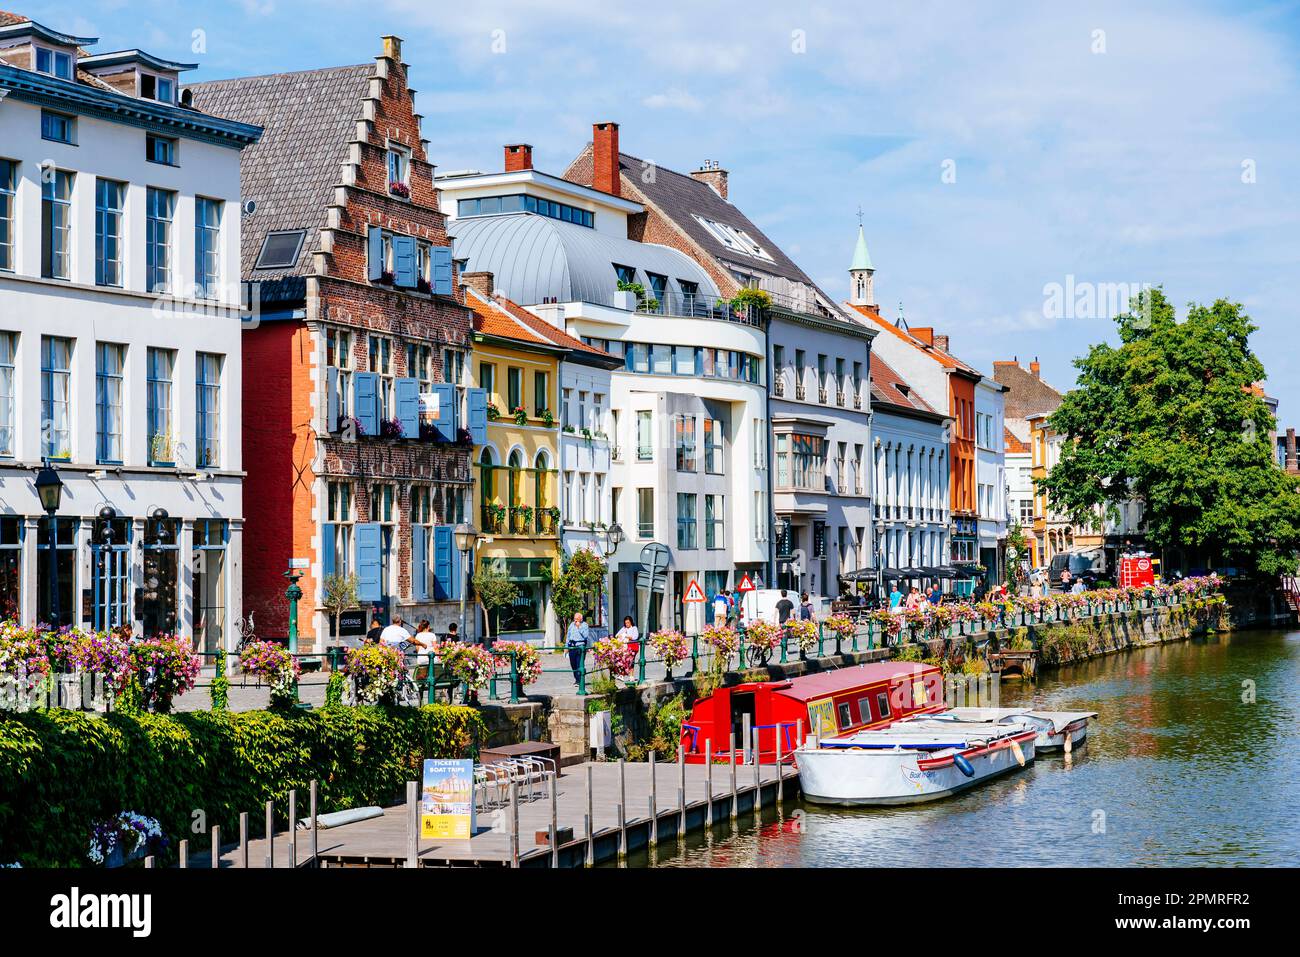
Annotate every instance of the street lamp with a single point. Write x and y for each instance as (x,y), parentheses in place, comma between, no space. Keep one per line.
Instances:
(465,535)
(49,488)
(104,573)
(613,538)
(782,526)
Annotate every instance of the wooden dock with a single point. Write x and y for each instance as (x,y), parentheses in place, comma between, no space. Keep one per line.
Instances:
(612,808)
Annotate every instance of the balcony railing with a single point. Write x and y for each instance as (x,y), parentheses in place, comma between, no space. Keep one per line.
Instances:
(800,392)
(778,386)
(857,400)
(839,398)
(700,306)
(821,396)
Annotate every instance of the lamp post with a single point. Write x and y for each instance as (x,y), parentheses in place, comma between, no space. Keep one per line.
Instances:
(49,488)
(782,527)
(613,538)
(465,536)
(107,515)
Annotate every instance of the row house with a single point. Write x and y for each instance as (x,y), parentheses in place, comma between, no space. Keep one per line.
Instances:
(362,421)
(816,504)
(120,359)
(684,420)
(973,403)
(539,483)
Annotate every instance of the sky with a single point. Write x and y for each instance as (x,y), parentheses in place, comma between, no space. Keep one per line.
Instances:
(1001,153)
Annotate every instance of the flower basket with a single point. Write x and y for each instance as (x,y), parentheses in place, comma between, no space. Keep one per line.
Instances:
(672,647)
(805,633)
(472,664)
(272,664)
(763,634)
(165,667)
(615,654)
(722,638)
(527,661)
(127,837)
(520,414)
(374,671)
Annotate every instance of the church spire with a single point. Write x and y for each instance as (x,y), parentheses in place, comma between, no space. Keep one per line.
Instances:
(861,271)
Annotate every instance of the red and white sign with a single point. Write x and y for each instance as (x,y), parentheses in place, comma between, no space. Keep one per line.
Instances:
(745,584)
(694,593)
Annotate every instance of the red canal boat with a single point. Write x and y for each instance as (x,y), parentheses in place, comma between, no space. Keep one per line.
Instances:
(837,702)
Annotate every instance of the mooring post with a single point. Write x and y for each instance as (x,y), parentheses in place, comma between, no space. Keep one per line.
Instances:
(708,784)
(243,839)
(591,821)
(780,778)
(622,808)
(293,828)
(270,834)
(654,801)
(745,724)
(183,855)
(514,823)
(312,810)
(555,821)
(622,835)
(412,824)
(216,846)
(148,862)
(758,764)
(733,775)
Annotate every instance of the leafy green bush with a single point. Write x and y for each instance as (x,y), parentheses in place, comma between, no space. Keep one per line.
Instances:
(60,771)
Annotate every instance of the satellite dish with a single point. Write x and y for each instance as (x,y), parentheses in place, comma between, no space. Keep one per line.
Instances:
(250,207)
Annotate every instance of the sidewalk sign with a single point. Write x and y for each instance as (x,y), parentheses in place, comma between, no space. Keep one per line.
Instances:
(447,800)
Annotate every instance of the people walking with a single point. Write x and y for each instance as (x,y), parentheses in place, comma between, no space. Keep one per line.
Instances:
(805,608)
(576,639)
(783,608)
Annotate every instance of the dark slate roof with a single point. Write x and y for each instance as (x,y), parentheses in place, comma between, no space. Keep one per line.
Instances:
(1028,394)
(309,120)
(887,386)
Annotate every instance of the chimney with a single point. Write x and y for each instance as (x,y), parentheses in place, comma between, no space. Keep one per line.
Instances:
(518,156)
(1034,368)
(925,334)
(604,172)
(480,282)
(1291,464)
(941,342)
(711,172)
(393,48)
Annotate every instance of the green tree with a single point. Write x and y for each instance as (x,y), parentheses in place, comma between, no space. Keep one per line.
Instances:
(577,585)
(1019,546)
(338,594)
(1173,416)
(493,590)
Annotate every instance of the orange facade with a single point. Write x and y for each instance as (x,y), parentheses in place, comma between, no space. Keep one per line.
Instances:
(961,397)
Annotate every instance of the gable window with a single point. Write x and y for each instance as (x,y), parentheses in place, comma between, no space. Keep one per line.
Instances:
(56,224)
(8,200)
(207,246)
(280,250)
(160,207)
(57,127)
(380,358)
(734,238)
(54,63)
(624,273)
(109,197)
(399,171)
(338,356)
(160,149)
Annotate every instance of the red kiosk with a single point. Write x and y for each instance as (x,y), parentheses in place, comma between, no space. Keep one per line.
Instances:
(1137,571)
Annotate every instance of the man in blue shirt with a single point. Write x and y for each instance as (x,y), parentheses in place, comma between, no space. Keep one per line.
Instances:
(576,640)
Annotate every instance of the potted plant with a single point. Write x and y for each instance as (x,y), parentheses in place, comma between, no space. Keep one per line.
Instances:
(548,418)
(670,645)
(127,837)
(523,660)
(165,667)
(272,665)
(374,671)
(390,429)
(493,413)
(398,188)
(615,654)
(496,514)
(520,414)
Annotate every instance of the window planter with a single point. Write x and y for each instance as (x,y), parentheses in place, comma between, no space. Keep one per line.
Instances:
(398,188)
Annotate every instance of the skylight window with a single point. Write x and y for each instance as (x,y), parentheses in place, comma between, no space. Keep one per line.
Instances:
(280,250)
(734,239)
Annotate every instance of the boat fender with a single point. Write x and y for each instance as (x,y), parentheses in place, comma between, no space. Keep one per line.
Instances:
(963,765)
(1069,743)
(1018,751)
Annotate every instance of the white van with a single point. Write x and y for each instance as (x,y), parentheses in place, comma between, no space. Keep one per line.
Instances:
(761,603)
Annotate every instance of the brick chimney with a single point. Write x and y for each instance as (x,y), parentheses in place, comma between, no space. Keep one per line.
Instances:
(604,171)
(1034,368)
(713,174)
(393,47)
(480,282)
(941,342)
(1292,465)
(925,334)
(518,156)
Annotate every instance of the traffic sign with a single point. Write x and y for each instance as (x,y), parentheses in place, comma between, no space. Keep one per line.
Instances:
(694,593)
(643,581)
(745,584)
(654,557)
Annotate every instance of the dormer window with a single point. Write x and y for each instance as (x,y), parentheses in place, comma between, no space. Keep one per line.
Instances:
(160,88)
(54,63)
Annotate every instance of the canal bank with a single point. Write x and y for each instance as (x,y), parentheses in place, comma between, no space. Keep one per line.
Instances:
(1194,761)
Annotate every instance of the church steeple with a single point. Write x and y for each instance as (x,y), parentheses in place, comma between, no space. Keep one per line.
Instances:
(861,271)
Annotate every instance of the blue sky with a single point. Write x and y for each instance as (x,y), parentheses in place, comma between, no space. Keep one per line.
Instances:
(1113,144)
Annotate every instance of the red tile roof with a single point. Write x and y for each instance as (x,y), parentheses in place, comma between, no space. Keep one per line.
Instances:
(875,320)
(1013,445)
(493,320)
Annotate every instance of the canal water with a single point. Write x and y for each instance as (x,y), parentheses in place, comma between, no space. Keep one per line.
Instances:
(1194,761)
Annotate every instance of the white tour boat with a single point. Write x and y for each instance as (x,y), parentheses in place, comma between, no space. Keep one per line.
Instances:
(1057,730)
(913,760)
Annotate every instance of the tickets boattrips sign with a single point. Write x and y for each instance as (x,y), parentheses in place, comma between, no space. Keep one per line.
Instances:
(447,800)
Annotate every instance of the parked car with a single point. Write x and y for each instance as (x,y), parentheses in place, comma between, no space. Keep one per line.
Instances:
(1088,564)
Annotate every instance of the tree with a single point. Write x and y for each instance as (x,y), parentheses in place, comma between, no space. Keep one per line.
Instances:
(577,585)
(1018,547)
(1174,417)
(338,594)
(493,590)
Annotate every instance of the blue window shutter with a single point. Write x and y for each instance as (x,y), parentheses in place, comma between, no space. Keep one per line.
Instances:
(404,260)
(407,392)
(443,568)
(365,406)
(442,271)
(419,564)
(476,400)
(375,253)
(332,400)
(370,561)
(327,561)
(445,425)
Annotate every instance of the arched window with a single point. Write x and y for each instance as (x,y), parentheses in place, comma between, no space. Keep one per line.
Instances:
(542,497)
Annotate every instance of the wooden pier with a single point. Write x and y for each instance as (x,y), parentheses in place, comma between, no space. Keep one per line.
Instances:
(601,810)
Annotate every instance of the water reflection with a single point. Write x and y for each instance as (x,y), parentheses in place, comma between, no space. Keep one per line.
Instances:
(1179,770)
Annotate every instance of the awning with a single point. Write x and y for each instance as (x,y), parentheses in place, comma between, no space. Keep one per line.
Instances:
(859,575)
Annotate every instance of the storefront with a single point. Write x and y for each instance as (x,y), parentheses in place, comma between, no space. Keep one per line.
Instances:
(965,554)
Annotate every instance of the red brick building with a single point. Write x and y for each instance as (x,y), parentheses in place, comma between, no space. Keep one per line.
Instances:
(356,443)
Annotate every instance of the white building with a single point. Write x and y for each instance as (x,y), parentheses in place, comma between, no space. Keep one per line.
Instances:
(990,474)
(686,418)
(119,340)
